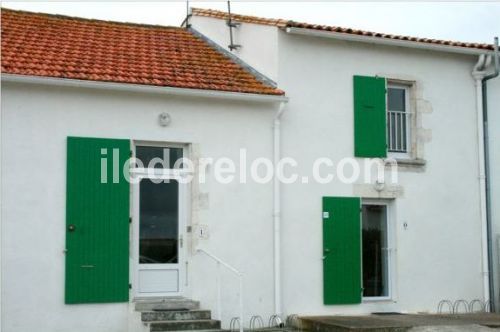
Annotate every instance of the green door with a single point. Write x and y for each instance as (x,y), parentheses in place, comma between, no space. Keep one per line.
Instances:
(370,139)
(342,250)
(97,221)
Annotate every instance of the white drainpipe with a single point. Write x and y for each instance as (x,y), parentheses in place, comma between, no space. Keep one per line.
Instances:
(277,213)
(478,74)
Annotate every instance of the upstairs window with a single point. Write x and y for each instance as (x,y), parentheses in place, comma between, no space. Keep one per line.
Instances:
(398,119)
(383,119)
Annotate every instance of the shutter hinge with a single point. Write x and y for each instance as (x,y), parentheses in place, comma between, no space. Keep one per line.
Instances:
(131,153)
(130,220)
(129,286)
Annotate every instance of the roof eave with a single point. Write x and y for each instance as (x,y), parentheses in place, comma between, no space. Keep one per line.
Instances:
(386,41)
(128,87)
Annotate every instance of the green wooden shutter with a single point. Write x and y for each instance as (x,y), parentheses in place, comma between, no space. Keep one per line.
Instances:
(97,222)
(370,139)
(341,250)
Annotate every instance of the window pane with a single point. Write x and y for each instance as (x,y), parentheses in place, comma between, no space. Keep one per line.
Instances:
(157,156)
(396,99)
(375,260)
(397,120)
(158,222)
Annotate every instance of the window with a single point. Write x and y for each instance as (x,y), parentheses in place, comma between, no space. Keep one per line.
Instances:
(375,251)
(398,119)
(158,156)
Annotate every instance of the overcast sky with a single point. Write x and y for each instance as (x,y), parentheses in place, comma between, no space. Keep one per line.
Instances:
(465,21)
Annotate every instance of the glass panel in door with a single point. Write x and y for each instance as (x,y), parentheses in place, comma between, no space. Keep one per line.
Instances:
(375,259)
(158,236)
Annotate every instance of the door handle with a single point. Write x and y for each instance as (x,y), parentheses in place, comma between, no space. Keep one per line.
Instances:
(326,251)
(71,228)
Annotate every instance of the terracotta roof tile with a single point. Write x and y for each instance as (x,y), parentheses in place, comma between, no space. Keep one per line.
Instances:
(280,23)
(76,48)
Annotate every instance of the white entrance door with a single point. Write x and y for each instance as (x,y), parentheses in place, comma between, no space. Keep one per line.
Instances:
(158,234)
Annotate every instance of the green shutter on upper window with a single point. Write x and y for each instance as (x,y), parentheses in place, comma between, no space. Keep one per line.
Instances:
(370,139)
(97,221)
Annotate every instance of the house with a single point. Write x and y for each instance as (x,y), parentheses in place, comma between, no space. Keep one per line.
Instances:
(433,223)
(91,237)
(76,92)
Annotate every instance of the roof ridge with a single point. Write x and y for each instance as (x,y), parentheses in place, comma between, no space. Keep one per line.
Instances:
(261,20)
(282,23)
(93,20)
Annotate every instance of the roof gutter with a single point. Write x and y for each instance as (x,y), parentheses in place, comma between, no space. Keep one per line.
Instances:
(128,87)
(386,41)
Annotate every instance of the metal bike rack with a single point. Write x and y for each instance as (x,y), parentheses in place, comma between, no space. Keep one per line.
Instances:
(457,304)
(487,306)
(256,319)
(473,302)
(275,321)
(292,321)
(442,303)
(235,324)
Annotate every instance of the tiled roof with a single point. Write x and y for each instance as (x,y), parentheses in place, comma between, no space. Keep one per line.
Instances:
(280,23)
(76,48)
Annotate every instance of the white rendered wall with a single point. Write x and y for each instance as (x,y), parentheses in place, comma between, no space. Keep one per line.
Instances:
(35,123)
(259,43)
(439,255)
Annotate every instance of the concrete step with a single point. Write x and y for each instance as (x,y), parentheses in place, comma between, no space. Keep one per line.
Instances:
(183,325)
(150,316)
(172,304)
(272,329)
(217,330)
(265,329)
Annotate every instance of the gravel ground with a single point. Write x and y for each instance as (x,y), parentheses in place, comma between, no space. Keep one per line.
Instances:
(463,328)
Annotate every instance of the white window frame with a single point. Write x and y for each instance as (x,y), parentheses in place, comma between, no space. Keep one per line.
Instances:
(391,243)
(408,118)
(162,171)
(184,215)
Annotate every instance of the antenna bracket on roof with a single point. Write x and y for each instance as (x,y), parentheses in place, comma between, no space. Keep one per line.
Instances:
(232,24)
(232,46)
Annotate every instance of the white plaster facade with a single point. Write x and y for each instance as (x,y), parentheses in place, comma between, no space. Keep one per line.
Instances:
(438,256)
(37,119)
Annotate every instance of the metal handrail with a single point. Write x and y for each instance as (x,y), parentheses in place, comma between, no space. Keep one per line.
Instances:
(218,282)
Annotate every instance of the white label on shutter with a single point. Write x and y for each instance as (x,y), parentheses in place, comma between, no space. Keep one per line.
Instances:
(326,215)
